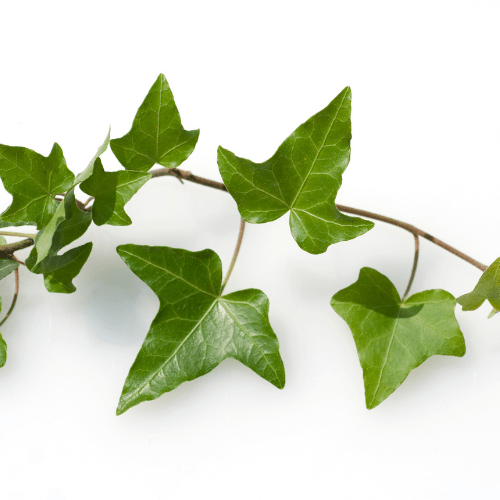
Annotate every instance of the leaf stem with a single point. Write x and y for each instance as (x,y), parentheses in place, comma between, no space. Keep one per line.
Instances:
(235,255)
(21,235)
(414,268)
(14,300)
(7,250)
(188,176)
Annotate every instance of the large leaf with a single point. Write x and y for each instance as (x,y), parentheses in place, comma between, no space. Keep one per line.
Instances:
(112,190)
(195,328)
(487,288)
(393,337)
(303,177)
(59,270)
(157,134)
(33,180)
(6,265)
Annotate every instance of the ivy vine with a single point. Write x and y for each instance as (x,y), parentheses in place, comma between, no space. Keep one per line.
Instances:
(196,326)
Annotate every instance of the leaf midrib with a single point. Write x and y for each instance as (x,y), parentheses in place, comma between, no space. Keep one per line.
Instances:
(319,151)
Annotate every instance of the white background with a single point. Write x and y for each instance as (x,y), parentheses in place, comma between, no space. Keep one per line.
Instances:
(425,149)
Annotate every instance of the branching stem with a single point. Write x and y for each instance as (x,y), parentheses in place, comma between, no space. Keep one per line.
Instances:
(235,255)
(14,300)
(414,268)
(7,250)
(188,176)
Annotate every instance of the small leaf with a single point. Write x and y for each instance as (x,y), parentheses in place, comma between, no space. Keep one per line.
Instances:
(393,337)
(112,190)
(488,287)
(3,351)
(60,270)
(195,328)
(3,346)
(6,265)
(33,180)
(157,135)
(303,177)
(492,313)
(83,176)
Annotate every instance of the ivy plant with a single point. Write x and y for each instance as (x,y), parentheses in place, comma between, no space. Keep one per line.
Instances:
(197,327)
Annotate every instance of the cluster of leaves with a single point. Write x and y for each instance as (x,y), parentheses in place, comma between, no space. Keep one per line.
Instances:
(197,327)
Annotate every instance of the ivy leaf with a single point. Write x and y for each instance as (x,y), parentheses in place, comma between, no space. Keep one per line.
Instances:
(4,224)
(112,190)
(303,177)
(488,287)
(83,176)
(393,337)
(3,346)
(157,135)
(60,270)
(33,180)
(195,328)
(6,265)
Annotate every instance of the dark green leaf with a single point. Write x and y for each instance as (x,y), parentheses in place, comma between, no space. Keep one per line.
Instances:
(157,135)
(393,337)
(3,351)
(303,177)
(195,328)
(6,265)
(59,270)
(488,287)
(33,180)
(4,224)
(112,190)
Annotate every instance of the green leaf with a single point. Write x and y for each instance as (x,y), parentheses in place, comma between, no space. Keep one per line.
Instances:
(43,242)
(195,328)
(60,270)
(83,176)
(393,337)
(3,346)
(6,265)
(157,135)
(303,177)
(488,287)
(112,190)
(33,180)
(3,351)
(4,224)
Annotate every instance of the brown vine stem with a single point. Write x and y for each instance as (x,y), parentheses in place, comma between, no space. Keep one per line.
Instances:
(188,176)
(235,255)
(14,300)
(414,268)
(6,251)
(415,231)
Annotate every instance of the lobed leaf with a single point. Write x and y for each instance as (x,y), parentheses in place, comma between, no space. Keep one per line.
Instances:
(195,328)
(112,190)
(60,270)
(157,134)
(303,177)
(33,180)
(487,288)
(393,337)
(6,265)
